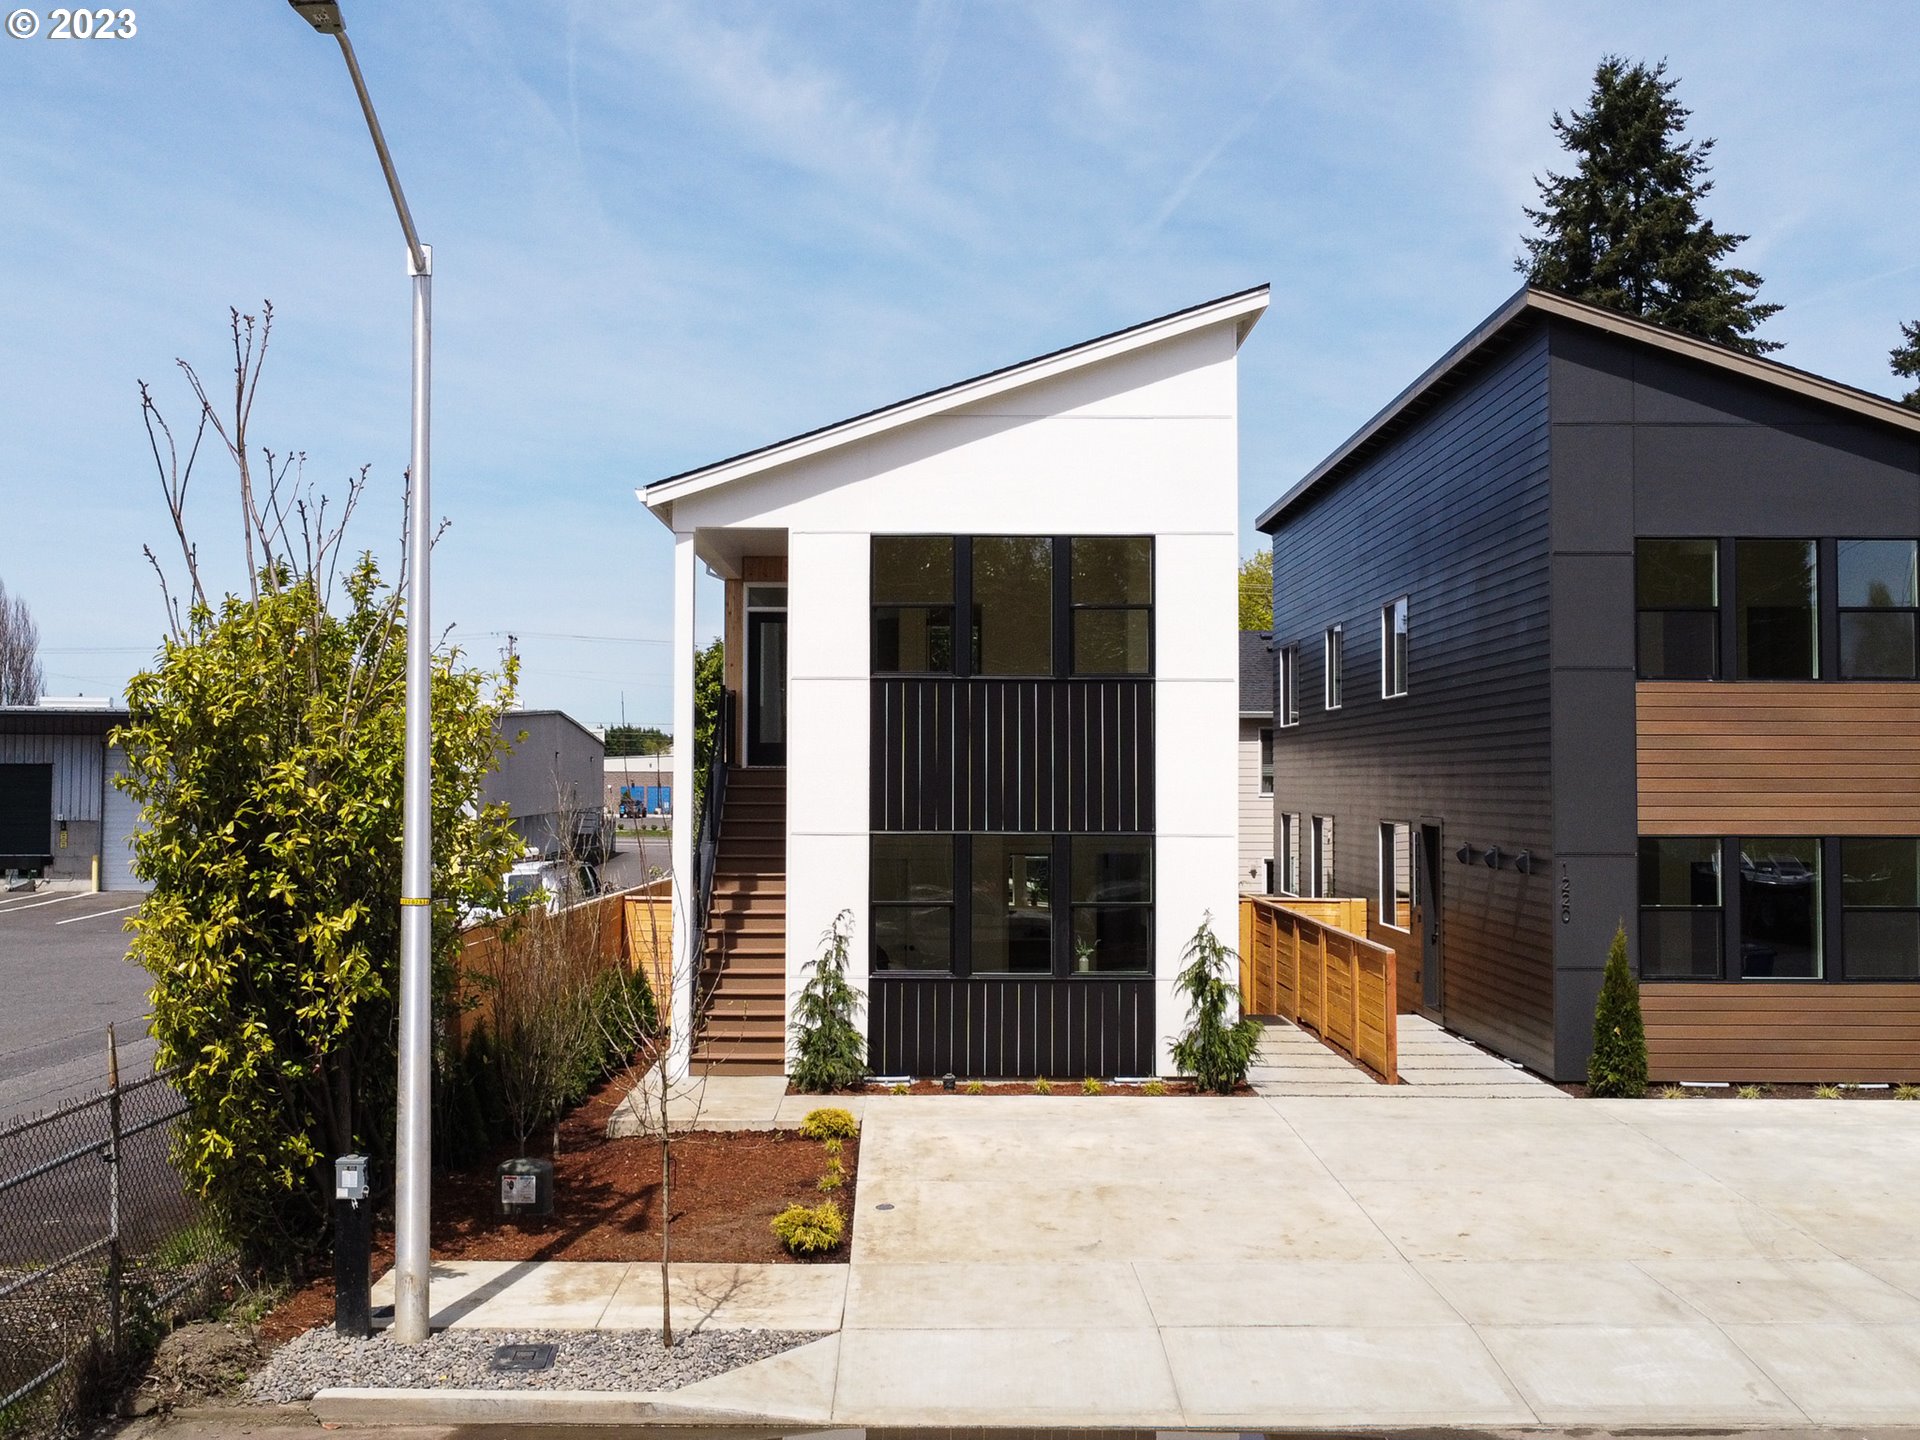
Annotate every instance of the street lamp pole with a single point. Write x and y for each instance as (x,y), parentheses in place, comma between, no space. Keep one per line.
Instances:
(413,1158)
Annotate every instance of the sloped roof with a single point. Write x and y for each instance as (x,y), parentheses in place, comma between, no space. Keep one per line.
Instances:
(1256,672)
(1527,302)
(1244,306)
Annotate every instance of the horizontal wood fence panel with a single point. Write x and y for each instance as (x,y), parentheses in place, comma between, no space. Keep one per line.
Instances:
(1794,1034)
(1340,985)
(1815,758)
(1010,1029)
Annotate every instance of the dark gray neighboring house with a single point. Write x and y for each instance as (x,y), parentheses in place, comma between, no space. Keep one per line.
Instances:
(1625,625)
(550,779)
(60,815)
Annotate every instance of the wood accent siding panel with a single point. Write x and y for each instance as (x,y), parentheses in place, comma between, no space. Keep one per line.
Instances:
(1007,1029)
(1813,758)
(1453,514)
(1804,1034)
(1012,755)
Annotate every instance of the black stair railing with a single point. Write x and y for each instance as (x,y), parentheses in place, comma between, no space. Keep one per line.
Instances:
(706,835)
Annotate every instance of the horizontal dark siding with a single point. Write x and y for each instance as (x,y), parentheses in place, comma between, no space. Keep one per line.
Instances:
(1007,1029)
(1454,515)
(1012,755)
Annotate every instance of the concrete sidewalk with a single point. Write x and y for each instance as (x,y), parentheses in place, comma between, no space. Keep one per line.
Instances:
(1371,1261)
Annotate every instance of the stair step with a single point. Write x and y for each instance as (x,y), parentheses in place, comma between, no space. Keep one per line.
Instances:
(754,827)
(750,887)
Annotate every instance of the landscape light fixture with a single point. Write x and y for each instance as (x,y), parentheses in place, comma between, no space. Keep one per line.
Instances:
(413,1139)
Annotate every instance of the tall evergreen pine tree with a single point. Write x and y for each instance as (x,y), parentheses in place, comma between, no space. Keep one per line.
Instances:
(1906,361)
(1624,229)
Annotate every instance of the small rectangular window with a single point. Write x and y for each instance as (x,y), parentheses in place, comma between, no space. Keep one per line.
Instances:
(1112,905)
(1677,595)
(1393,648)
(1879,609)
(1776,583)
(1880,906)
(912,605)
(1012,904)
(1266,762)
(1780,912)
(1012,623)
(1396,874)
(1334,647)
(1322,857)
(1290,854)
(1111,583)
(1287,703)
(1680,908)
(912,896)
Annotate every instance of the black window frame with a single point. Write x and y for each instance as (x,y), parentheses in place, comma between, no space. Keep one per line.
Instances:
(1841,610)
(1717,611)
(1396,661)
(1075,608)
(1396,850)
(1075,906)
(1286,698)
(1720,912)
(1845,911)
(1736,627)
(1333,649)
(875,606)
(951,904)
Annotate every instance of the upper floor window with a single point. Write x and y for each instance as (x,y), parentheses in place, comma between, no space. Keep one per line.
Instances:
(1393,648)
(1286,704)
(1112,604)
(1334,648)
(1266,762)
(1012,613)
(1777,629)
(1677,591)
(1879,602)
(913,604)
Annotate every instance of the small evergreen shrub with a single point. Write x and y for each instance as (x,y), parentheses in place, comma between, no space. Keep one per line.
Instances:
(1617,1068)
(1215,1050)
(1091,1086)
(976,1087)
(810,1230)
(1043,1086)
(1154,1087)
(830,1123)
(830,1053)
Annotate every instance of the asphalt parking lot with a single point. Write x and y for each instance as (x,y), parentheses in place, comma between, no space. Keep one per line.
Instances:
(64,976)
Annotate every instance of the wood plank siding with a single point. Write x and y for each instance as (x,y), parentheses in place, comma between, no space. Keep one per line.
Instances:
(1256,810)
(1029,756)
(1805,1034)
(1452,513)
(1008,1028)
(1814,758)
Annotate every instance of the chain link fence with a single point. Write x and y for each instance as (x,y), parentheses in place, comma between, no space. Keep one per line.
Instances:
(102,1249)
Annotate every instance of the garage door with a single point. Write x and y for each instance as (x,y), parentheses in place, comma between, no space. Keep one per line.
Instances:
(116,835)
(26,816)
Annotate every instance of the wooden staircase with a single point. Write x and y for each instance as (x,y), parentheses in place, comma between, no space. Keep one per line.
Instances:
(743,969)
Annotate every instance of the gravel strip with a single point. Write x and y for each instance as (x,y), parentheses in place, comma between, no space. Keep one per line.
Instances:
(462,1360)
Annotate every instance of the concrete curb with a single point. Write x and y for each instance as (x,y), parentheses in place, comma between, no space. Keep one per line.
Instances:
(370,1406)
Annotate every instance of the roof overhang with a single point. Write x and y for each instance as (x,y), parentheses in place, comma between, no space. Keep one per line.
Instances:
(1531,302)
(1243,309)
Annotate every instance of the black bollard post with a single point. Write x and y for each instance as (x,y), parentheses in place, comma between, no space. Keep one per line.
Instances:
(352,1247)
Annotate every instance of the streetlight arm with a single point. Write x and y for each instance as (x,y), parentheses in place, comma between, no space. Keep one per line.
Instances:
(415,251)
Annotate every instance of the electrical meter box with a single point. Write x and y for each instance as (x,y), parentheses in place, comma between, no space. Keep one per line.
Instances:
(526,1187)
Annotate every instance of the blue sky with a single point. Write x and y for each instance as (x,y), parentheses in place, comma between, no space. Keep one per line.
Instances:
(667,232)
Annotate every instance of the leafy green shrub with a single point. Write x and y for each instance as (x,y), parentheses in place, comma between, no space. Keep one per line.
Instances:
(830,1053)
(829,1122)
(1617,1069)
(1154,1087)
(1216,1051)
(1091,1086)
(810,1230)
(1043,1086)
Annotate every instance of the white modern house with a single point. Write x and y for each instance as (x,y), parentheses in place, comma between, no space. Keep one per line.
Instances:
(983,687)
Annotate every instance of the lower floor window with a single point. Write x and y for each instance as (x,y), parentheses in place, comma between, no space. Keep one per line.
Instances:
(1396,874)
(1780,919)
(1680,908)
(1880,908)
(1290,854)
(1322,857)
(1012,904)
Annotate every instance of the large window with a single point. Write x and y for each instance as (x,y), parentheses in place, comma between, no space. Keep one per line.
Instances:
(912,894)
(1780,913)
(1322,857)
(1396,874)
(1012,904)
(1681,912)
(1286,704)
(1776,583)
(1012,627)
(1112,604)
(1266,762)
(1880,908)
(912,605)
(1879,601)
(1112,904)
(1290,854)
(1334,649)
(1393,648)
(1677,591)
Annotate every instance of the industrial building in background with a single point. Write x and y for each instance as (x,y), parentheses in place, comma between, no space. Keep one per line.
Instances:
(551,777)
(61,816)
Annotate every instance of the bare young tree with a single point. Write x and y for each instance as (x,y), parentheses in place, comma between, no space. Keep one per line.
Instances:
(21,678)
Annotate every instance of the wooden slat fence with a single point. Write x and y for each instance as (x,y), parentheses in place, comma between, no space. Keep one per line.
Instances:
(1322,977)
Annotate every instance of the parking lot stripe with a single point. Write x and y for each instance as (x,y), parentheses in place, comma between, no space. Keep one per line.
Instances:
(15,910)
(96,914)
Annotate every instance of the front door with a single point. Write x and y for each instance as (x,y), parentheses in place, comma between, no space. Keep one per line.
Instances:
(1432,991)
(766,687)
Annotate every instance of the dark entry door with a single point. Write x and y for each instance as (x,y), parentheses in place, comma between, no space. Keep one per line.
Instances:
(1432,988)
(766,687)
(26,816)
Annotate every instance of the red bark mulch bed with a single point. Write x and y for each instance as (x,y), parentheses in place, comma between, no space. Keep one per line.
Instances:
(1061,1088)
(1770,1091)
(727,1187)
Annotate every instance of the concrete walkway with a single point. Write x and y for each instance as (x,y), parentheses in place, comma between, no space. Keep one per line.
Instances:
(1379,1260)
(1294,1062)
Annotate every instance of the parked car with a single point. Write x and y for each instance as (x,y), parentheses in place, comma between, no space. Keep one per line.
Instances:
(547,885)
